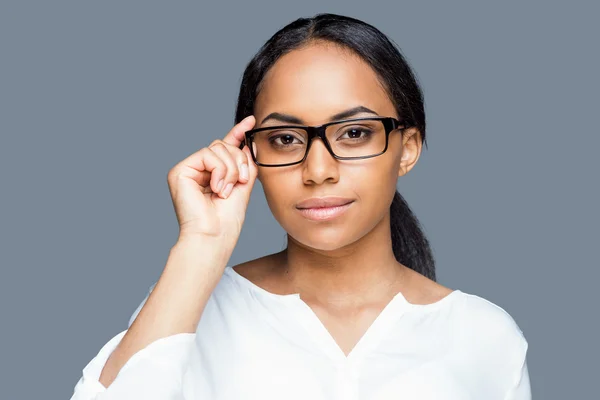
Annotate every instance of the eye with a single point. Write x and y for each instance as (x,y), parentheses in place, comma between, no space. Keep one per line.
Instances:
(356,133)
(284,139)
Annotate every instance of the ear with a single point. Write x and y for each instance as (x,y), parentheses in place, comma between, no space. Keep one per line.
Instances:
(259,174)
(411,150)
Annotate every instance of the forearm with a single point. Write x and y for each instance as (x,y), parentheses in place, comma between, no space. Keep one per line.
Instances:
(192,271)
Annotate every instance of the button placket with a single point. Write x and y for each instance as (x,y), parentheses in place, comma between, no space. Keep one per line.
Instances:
(347,381)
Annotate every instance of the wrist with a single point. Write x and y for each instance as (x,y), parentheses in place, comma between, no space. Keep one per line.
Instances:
(204,249)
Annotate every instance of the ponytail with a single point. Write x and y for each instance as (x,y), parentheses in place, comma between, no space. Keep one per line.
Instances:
(409,243)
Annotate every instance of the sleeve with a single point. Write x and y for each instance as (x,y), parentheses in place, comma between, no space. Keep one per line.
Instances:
(153,373)
(521,389)
(499,345)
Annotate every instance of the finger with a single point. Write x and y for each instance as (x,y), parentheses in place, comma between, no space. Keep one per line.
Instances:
(245,189)
(240,160)
(232,169)
(252,167)
(202,161)
(237,134)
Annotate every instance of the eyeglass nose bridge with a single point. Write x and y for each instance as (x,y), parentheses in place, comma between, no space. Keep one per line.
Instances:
(320,132)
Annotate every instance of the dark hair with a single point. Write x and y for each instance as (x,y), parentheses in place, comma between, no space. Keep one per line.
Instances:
(410,246)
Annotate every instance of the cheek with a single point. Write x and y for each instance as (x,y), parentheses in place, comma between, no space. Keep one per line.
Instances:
(279,189)
(375,188)
(375,179)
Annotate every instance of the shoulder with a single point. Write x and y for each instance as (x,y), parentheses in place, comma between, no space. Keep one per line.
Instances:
(485,316)
(487,330)
(489,343)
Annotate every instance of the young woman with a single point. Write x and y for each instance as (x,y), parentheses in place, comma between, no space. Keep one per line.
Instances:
(329,116)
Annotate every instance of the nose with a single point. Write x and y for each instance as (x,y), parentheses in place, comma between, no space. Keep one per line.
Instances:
(319,165)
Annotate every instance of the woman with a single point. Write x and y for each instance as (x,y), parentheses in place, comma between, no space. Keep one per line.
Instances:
(329,115)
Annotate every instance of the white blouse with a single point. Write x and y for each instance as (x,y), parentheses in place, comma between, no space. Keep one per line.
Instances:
(252,344)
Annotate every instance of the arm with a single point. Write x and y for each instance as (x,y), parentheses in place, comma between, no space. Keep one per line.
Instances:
(176,303)
(521,390)
(148,360)
(210,217)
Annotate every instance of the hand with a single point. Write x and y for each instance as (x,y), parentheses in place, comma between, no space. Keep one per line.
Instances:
(209,190)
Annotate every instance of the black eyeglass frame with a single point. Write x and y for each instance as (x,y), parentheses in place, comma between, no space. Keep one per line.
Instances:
(390,124)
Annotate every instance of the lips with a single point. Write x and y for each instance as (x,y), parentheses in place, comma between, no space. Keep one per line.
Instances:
(323,202)
(324,208)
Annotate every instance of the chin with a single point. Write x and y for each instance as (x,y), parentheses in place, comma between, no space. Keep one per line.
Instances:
(324,238)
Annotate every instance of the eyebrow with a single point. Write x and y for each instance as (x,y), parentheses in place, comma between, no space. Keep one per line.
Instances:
(341,115)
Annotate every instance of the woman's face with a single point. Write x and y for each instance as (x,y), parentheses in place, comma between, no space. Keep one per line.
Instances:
(312,84)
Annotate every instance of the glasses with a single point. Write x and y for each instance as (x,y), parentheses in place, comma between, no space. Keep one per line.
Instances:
(351,139)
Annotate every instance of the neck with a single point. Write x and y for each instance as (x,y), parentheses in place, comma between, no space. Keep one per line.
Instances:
(359,272)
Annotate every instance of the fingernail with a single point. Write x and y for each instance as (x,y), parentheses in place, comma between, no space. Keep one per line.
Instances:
(219,185)
(227,190)
(244,171)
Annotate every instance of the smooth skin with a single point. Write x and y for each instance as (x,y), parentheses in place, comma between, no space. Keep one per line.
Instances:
(344,269)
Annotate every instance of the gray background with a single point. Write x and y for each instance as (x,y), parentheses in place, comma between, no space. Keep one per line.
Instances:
(98,100)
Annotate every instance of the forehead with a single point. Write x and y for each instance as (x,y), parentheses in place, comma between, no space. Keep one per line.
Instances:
(318,81)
